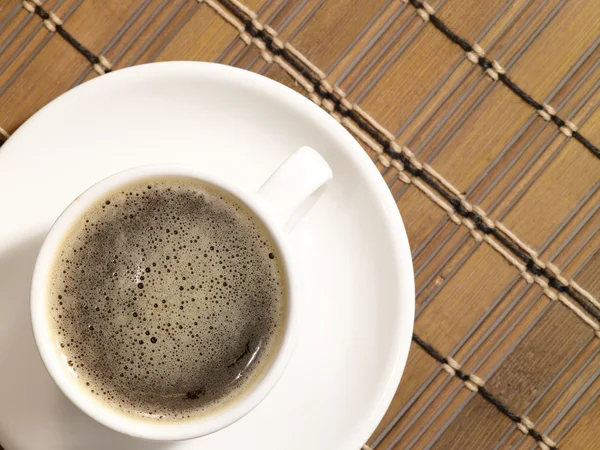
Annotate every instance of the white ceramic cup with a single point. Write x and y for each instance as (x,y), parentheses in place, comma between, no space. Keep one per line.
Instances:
(281,201)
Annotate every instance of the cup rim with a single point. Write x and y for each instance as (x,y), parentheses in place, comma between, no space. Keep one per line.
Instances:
(166,431)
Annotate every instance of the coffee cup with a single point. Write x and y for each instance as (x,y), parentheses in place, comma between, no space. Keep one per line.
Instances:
(284,198)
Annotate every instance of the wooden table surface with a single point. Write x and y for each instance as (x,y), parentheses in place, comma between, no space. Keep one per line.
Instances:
(482,116)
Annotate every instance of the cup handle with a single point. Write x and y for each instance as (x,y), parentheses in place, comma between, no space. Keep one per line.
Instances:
(296,185)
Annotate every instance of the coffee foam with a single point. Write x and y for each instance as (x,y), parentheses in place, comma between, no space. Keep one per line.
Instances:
(167,299)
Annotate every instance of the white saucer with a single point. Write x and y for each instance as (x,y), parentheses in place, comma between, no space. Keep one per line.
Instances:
(352,247)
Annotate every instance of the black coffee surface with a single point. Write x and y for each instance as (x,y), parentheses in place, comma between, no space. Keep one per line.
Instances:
(167,299)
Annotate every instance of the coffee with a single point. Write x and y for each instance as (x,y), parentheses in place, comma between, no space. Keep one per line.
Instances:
(167,299)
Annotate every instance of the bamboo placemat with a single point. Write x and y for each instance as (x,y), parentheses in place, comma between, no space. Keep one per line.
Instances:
(483,118)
